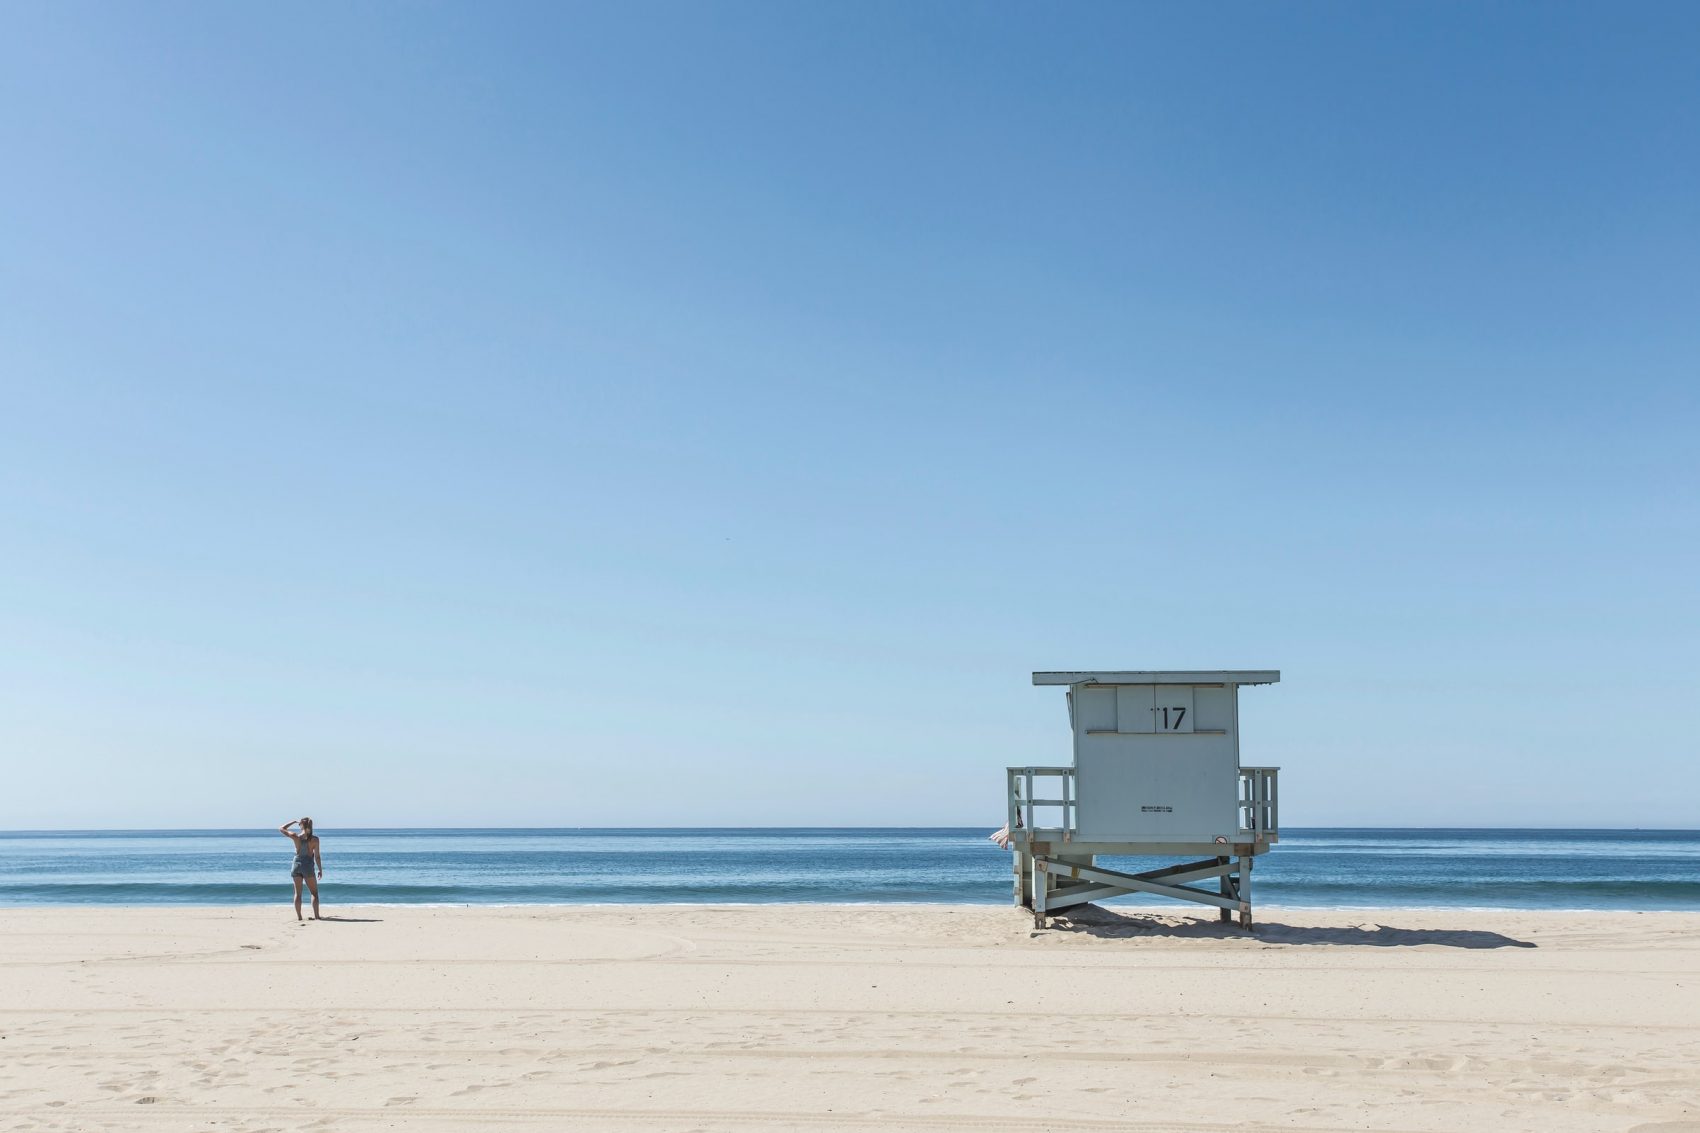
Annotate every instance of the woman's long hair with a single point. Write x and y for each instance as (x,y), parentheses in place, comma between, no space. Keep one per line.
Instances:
(306,828)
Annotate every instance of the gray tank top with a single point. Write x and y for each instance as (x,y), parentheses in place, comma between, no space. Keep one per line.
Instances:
(303,851)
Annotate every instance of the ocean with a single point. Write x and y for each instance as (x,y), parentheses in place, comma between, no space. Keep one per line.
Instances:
(1337,868)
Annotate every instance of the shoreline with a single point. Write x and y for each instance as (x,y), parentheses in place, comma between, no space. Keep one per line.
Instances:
(1176,909)
(922,1017)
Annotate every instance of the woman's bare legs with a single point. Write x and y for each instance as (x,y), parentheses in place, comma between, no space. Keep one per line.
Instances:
(297,881)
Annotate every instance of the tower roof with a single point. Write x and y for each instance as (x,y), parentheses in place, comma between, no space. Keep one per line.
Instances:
(1161,677)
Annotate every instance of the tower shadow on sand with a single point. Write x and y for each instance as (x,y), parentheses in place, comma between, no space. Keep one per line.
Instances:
(1094,920)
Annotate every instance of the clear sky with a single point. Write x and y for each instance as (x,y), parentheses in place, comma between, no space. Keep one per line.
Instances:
(710,414)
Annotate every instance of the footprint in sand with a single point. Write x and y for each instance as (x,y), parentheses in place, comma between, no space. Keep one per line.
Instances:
(605,1065)
(479,1087)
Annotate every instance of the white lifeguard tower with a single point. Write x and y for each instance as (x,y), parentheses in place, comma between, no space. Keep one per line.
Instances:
(1156,772)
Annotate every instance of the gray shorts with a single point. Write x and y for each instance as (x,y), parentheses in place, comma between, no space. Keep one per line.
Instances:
(301,869)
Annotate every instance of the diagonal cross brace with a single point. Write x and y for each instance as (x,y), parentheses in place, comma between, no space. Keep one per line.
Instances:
(1079,895)
(1169,881)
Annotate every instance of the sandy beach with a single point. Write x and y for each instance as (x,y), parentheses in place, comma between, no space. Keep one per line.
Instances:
(846,1018)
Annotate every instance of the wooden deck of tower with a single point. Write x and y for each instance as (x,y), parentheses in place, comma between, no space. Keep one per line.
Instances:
(1156,772)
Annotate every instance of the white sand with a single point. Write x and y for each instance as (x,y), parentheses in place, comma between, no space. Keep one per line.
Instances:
(845,1018)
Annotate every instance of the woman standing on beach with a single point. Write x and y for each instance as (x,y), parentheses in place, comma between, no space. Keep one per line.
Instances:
(307,861)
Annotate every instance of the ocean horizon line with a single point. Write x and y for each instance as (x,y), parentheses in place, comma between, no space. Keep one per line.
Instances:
(875,828)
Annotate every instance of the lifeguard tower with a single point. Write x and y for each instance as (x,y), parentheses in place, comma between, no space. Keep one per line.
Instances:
(1156,772)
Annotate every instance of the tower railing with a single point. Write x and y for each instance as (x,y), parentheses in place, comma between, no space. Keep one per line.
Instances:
(1024,802)
(1055,813)
(1260,801)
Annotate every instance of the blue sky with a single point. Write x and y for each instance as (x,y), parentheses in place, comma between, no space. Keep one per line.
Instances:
(711,414)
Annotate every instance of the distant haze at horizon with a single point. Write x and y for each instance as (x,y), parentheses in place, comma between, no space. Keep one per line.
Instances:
(559,416)
(973,829)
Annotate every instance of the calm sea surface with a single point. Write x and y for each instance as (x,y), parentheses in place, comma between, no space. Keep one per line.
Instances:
(1567,869)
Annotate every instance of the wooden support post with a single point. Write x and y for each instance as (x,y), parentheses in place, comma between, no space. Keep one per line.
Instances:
(1041,891)
(1245,893)
(1226,888)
